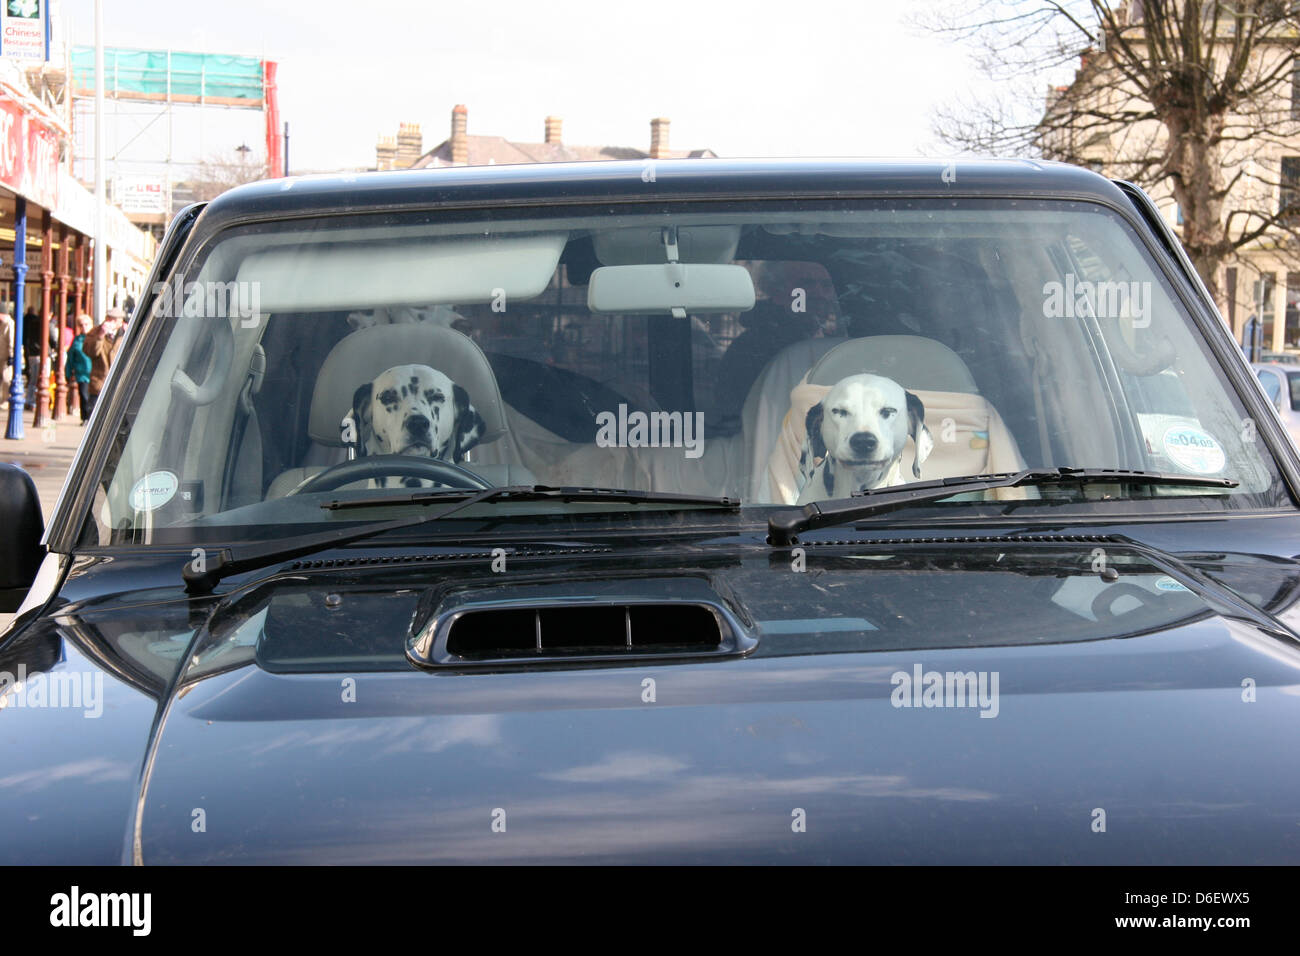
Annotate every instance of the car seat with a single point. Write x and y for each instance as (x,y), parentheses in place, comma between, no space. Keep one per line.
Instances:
(969,434)
(360,356)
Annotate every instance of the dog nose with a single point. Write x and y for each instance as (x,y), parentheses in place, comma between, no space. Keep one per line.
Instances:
(417,425)
(863,443)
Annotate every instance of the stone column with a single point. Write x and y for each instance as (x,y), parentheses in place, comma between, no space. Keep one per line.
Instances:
(61,389)
(41,413)
(81,276)
(1279,313)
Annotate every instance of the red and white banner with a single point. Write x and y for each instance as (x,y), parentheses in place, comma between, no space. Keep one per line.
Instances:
(274,143)
(29,155)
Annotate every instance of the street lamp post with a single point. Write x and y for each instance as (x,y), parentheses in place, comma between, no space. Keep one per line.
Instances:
(15,427)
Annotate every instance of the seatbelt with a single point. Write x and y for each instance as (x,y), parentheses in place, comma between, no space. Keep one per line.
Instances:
(1035,351)
(244,411)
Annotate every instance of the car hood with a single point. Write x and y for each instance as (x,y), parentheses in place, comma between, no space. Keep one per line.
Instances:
(1123,707)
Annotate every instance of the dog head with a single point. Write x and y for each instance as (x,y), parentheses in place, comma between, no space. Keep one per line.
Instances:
(415,410)
(862,425)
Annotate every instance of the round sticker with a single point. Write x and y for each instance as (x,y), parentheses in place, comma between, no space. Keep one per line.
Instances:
(1193,450)
(1166,583)
(153,490)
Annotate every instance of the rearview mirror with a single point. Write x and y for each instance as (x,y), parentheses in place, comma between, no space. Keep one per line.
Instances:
(21,551)
(674,288)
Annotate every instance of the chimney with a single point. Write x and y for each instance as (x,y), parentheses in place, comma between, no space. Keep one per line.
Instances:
(553,129)
(385,151)
(459,136)
(659,138)
(410,145)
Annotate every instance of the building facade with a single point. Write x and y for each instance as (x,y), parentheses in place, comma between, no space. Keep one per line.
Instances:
(1260,169)
(461,148)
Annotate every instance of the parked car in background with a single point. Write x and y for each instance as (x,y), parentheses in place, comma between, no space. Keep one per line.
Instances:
(1282,386)
(425,518)
(1281,358)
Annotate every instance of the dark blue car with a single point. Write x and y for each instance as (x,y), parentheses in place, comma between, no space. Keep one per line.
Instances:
(679,511)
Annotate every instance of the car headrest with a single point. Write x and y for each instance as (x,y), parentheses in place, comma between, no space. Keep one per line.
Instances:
(910,360)
(363,354)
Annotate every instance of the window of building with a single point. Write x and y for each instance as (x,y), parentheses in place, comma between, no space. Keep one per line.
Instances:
(1230,283)
(1289,189)
(1264,289)
(1293,310)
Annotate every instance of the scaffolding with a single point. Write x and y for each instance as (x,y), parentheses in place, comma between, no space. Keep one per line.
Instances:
(155,82)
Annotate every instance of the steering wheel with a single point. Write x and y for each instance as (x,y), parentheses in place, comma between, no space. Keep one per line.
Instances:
(402,466)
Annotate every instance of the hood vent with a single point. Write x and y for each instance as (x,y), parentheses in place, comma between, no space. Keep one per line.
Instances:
(564,630)
(317,564)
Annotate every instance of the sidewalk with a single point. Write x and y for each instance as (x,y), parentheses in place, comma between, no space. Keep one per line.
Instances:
(44,453)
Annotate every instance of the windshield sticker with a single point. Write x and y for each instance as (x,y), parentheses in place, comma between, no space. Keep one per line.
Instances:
(153,490)
(1166,583)
(1193,450)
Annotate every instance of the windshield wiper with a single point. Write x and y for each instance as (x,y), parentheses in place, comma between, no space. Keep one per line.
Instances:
(536,493)
(225,562)
(782,527)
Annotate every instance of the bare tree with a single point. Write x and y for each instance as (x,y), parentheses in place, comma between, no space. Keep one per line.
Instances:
(215,174)
(1185,97)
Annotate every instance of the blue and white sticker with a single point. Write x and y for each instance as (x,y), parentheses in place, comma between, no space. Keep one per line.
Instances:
(153,490)
(1193,450)
(1166,583)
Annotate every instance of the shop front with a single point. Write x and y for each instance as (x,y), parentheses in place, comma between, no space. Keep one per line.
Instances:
(47,219)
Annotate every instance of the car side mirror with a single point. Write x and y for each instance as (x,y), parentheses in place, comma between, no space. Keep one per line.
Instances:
(21,551)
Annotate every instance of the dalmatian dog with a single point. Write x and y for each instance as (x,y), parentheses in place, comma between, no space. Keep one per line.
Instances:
(856,435)
(413,410)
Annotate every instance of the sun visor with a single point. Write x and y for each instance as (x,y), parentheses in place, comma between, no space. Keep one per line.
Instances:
(434,271)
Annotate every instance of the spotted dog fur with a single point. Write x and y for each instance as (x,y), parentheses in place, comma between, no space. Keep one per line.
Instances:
(414,410)
(855,438)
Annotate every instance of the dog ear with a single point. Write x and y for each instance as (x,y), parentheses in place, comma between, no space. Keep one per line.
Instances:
(814,447)
(469,424)
(813,431)
(921,436)
(361,413)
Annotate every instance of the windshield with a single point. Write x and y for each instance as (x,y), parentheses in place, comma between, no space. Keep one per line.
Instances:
(776,353)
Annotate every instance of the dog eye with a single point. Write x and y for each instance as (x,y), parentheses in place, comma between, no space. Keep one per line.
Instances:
(388,397)
(888,412)
(839,411)
(434,396)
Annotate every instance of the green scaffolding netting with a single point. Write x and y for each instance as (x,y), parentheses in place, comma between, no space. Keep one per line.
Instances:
(147,72)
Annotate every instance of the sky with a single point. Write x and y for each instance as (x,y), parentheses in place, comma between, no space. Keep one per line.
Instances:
(750,78)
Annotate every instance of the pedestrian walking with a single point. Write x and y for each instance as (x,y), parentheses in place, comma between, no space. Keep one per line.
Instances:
(78,366)
(6,356)
(100,346)
(32,352)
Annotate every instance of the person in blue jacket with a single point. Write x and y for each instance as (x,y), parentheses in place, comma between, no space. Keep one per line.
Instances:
(77,367)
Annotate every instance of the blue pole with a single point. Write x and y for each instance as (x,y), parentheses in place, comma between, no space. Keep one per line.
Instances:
(15,429)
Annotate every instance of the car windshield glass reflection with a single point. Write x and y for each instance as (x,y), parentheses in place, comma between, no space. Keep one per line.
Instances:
(771,355)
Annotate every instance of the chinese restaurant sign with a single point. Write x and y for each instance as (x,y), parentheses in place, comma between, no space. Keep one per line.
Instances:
(25,29)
